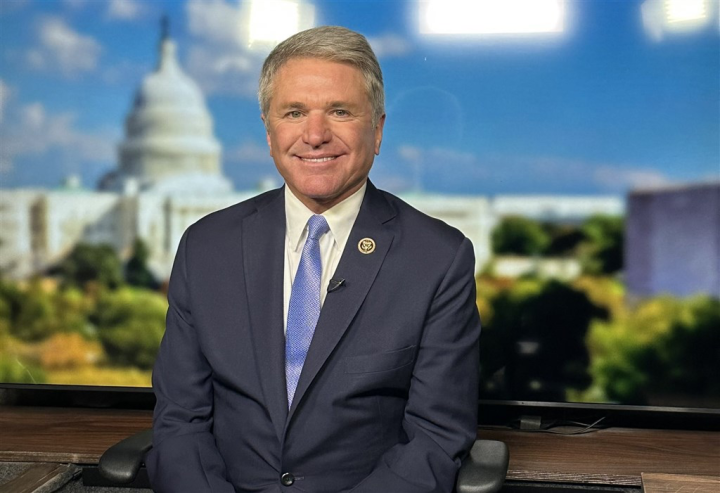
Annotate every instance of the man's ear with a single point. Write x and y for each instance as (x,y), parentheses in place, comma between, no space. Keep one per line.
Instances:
(379,133)
(267,132)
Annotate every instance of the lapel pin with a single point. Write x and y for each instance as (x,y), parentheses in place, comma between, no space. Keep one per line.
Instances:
(366,245)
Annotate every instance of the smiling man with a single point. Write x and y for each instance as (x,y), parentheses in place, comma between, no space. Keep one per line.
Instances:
(322,337)
(322,132)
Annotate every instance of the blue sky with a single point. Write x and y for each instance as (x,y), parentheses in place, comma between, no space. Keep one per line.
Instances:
(602,108)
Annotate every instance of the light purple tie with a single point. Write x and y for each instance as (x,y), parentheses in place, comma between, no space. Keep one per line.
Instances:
(304,308)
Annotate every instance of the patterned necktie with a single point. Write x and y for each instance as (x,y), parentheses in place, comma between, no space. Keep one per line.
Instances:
(304,308)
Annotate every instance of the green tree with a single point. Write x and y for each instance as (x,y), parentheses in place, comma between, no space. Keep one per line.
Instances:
(131,323)
(91,263)
(5,313)
(601,251)
(36,312)
(687,360)
(539,327)
(516,235)
(497,305)
(14,370)
(35,320)
(564,239)
(664,346)
(11,301)
(136,270)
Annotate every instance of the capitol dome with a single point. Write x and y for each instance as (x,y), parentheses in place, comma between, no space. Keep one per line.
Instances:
(169,144)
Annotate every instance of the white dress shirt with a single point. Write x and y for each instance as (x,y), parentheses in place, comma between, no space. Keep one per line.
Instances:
(340,218)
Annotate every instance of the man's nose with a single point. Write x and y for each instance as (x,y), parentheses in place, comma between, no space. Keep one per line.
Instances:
(317,132)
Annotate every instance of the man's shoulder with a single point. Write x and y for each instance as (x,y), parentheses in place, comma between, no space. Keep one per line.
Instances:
(421,225)
(232,216)
(237,212)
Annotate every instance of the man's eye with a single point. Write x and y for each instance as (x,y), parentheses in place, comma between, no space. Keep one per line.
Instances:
(341,113)
(294,114)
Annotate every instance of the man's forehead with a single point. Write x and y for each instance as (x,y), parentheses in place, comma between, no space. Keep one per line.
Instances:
(305,85)
(319,61)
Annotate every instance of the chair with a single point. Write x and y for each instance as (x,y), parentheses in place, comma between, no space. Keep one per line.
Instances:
(485,467)
(482,471)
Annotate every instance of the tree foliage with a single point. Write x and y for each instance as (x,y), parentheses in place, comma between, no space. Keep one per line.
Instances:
(665,346)
(516,235)
(69,350)
(37,311)
(564,239)
(137,272)
(598,242)
(601,251)
(536,334)
(91,263)
(52,333)
(16,371)
(131,323)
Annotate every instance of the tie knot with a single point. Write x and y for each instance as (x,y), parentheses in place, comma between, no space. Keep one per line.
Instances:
(317,226)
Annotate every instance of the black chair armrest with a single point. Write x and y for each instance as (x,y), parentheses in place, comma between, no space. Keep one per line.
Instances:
(484,469)
(121,462)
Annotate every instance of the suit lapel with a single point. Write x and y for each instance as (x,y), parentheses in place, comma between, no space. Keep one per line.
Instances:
(263,257)
(359,271)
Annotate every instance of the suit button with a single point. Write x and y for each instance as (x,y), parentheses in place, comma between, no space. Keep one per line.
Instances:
(287,479)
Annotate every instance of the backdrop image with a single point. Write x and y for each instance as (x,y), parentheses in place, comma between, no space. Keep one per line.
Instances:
(575,142)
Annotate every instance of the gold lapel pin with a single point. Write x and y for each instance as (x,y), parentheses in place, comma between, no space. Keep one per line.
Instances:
(366,245)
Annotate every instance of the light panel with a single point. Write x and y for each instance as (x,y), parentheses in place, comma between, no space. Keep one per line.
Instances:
(685,10)
(669,17)
(272,21)
(491,16)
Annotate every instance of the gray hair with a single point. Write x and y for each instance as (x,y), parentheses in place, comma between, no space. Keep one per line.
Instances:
(332,43)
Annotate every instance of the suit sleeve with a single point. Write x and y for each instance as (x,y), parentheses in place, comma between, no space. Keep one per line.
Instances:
(441,412)
(184,457)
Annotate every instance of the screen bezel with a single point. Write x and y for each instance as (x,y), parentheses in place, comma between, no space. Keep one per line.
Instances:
(505,413)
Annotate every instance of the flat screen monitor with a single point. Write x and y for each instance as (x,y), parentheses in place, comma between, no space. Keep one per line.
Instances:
(576,143)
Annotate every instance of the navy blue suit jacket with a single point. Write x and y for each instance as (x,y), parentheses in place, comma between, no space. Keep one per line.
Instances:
(387,399)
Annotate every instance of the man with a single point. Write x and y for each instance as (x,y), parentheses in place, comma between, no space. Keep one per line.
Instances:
(321,337)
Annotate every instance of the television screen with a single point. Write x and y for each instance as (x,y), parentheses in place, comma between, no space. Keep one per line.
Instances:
(575,142)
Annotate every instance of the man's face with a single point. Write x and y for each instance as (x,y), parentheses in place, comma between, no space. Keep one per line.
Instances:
(320,132)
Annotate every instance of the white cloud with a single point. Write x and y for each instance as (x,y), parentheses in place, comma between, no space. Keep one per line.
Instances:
(215,21)
(64,49)
(248,152)
(125,10)
(614,177)
(410,153)
(218,59)
(437,168)
(389,45)
(435,155)
(39,133)
(410,167)
(5,93)
(32,116)
(225,71)
(604,177)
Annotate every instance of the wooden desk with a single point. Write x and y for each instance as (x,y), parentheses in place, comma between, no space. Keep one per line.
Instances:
(616,456)
(677,483)
(607,457)
(65,435)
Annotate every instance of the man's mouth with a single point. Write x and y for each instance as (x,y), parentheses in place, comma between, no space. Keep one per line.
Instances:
(317,159)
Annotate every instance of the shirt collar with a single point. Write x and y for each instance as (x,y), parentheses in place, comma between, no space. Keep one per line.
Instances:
(341,218)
